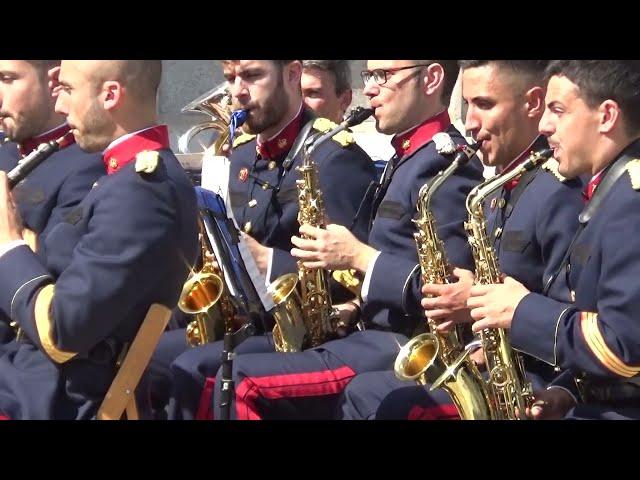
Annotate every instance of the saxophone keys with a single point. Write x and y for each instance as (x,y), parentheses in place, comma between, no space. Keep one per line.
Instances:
(498,232)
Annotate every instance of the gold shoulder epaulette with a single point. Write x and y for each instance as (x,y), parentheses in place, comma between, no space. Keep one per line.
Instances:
(551,166)
(323,124)
(242,139)
(633,167)
(147,161)
(344,138)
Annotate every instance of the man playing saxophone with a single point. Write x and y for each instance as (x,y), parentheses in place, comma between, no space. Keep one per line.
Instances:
(409,98)
(264,199)
(592,121)
(530,220)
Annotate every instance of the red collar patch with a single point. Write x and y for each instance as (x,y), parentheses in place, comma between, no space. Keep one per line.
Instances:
(417,137)
(116,157)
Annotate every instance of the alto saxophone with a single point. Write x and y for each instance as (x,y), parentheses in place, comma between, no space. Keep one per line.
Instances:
(508,387)
(206,288)
(434,355)
(203,290)
(304,314)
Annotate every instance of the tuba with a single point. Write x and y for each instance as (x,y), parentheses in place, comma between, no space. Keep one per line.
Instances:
(304,313)
(429,356)
(216,103)
(508,387)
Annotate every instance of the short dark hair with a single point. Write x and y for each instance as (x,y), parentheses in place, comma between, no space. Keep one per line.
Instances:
(534,69)
(599,80)
(340,70)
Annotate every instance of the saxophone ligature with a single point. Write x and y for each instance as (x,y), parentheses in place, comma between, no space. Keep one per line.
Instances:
(429,356)
(510,393)
(304,314)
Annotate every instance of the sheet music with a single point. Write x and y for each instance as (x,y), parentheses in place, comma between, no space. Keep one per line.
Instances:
(215,177)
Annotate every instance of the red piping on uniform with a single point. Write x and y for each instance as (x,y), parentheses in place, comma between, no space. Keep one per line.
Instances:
(439,412)
(312,384)
(205,410)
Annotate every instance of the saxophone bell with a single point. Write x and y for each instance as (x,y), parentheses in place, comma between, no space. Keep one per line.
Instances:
(202,290)
(418,360)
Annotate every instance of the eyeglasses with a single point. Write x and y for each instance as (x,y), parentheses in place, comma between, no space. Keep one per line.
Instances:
(380,74)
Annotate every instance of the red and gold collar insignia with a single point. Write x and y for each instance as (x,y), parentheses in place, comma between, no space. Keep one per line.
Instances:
(419,136)
(116,157)
(279,145)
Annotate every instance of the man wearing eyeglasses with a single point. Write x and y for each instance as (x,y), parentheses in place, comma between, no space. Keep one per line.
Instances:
(410,99)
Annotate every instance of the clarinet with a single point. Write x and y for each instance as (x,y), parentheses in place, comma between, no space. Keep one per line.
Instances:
(35,158)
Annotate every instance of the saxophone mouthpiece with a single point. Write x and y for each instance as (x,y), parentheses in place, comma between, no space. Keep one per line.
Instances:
(357,116)
(536,158)
(63,139)
(547,153)
(465,152)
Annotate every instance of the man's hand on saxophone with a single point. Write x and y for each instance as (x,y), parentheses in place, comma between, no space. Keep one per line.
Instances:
(333,248)
(446,304)
(551,404)
(493,306)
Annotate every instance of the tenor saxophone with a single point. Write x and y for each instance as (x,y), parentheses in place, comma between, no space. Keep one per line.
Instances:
(432,355)
(510,392)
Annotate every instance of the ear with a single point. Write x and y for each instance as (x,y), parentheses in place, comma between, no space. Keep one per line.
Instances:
(294,73)
(609,116)
(345,99)
(434,79)
(54,76)
(111,94)
(534,102)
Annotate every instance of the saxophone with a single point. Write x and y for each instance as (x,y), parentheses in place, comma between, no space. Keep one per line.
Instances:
(304,314)
(203,290)
(430,356)
(206,288)
(507,385)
